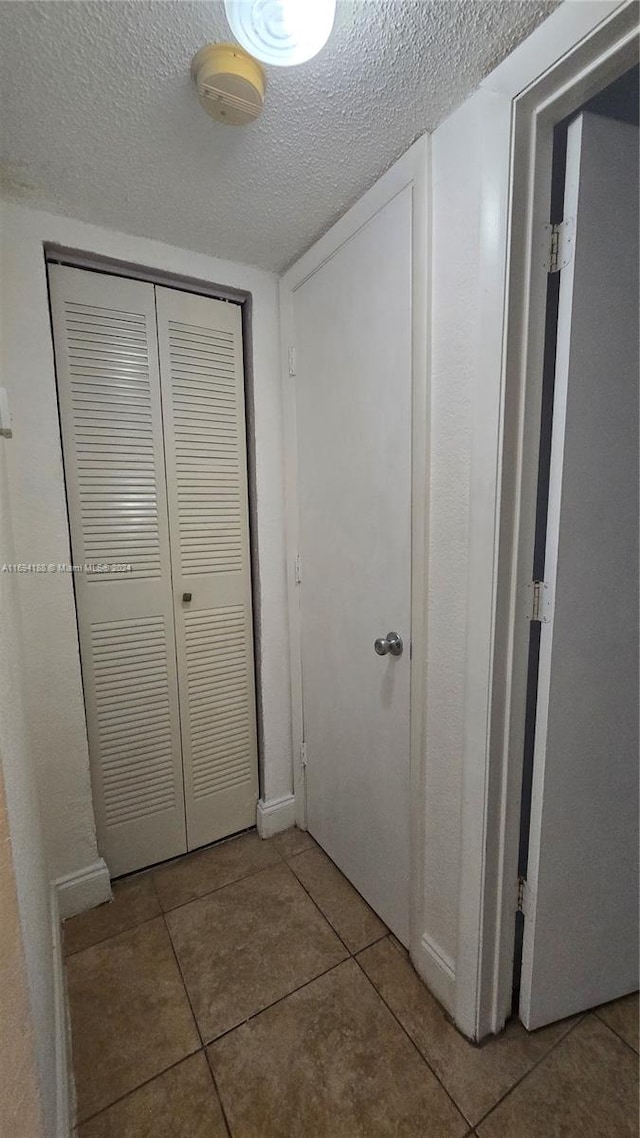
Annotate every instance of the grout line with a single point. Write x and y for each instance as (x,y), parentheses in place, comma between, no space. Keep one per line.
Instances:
(362,947)
(161,913)
(152,870)
(349,956)
(366,947)
(203,1046)
(281,859)
(217,1090)
(164,913)
(274,1004)
(155,892)
(195,1020)
(225,884)
(415,1046)
(184,983)
(316,905)
(387,932)
(151,1079)
(531,1069)
(156,866)
(112,936)
(616,1033)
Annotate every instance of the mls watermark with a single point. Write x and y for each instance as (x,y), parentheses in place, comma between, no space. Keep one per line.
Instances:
(58,567)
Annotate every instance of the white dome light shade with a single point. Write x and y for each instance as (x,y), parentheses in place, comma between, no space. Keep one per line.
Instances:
(281,32)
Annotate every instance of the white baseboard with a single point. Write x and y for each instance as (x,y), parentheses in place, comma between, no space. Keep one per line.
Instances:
(437,969)
(275,815)
(83,889)
(64,1086)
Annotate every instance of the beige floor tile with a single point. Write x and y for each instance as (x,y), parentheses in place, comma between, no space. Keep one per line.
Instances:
(134,901)
(622,1017)
(586,1087)
(292,842)
(247,945)
(476,1077)
(181,1103)
(355,923)
(202,872)
(329,1062)
(130,1016)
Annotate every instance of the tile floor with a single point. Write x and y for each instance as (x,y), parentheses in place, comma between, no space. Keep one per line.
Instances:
(248,991)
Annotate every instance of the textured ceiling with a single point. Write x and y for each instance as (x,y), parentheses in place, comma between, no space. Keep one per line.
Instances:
(100,120)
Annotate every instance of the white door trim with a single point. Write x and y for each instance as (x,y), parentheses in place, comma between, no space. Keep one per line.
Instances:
(576,52)
(410,170)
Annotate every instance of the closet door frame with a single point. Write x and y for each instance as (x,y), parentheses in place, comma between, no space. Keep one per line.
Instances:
(71,258)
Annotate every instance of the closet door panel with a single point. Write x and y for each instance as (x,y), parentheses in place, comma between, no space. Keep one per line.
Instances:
(109,395)
(202,380)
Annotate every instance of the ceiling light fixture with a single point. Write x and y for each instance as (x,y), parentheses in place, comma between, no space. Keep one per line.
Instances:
(281,32)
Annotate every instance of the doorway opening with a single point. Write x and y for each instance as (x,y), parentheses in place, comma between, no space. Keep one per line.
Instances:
(576,463)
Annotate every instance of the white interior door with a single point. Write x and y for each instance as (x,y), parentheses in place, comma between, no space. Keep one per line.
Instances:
(581,914)
(353,402)
(202,381)
(109,392)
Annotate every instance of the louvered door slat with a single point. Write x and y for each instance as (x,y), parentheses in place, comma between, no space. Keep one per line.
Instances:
(109,392)
(200,343)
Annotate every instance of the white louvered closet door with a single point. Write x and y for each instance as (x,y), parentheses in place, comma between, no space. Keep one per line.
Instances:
(201,370)
(109,392)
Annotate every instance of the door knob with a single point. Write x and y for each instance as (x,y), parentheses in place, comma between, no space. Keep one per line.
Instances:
(392,644)
(186,598)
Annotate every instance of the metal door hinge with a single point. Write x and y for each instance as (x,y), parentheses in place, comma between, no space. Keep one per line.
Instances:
(303,755)
(522,894)
(559,245)
(292,361)
(298,569)
(539,601)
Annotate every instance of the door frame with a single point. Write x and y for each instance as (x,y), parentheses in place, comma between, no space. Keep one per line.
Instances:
(574,54)
(57,254)
(412,170)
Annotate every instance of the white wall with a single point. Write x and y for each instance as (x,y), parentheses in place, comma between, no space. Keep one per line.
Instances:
(25,830)
(453,265)
(463,334)
(20,1105)
(52,690)
(470,153)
